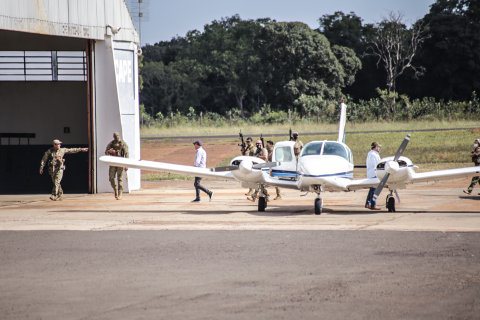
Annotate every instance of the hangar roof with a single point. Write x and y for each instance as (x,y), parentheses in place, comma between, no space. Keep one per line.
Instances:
(86,19)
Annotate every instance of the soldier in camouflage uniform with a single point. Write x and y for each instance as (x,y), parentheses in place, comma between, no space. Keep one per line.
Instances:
(54,159)
(298,146)
(270,146)
(476,160)
(117,148)
(262,153)
(249,151)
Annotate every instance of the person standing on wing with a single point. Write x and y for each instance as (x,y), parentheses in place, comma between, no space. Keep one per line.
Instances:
(373,158)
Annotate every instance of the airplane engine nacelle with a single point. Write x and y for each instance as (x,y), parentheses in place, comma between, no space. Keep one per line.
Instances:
(400,171)
(245,171)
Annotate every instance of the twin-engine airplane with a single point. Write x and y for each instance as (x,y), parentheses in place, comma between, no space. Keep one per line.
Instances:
(321,166)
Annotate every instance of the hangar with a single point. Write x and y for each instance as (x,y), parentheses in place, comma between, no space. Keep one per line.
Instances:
(68,70)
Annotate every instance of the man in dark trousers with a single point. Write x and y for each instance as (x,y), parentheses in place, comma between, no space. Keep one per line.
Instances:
(373,158)
(200,162)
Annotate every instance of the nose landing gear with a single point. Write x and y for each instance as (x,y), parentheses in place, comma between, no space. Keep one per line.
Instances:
(318,204)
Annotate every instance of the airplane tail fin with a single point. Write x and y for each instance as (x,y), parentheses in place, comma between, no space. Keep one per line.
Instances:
(343,120)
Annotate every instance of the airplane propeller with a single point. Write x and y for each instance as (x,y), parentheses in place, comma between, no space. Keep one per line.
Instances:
(398,154)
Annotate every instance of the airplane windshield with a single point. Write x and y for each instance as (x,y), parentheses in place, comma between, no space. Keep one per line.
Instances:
(283,154)
(335,149)
(312,149)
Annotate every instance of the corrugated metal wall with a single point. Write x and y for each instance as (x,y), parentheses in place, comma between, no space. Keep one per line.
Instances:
(71,18)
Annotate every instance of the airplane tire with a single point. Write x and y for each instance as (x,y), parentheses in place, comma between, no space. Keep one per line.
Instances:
(391,203)
(318,206)
(262,204)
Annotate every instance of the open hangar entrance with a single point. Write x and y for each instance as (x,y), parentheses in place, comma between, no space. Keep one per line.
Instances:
(44,94)
(68,71)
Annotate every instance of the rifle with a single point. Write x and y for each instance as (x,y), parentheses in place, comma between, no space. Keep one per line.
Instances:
(290,134)
(263,141)
(242,144)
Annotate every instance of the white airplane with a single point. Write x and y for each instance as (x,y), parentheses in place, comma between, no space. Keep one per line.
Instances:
(321,166)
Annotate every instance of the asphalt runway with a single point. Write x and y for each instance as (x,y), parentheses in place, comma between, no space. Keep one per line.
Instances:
(154,255)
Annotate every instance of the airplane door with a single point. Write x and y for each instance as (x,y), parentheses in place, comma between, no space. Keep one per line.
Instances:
(287,170)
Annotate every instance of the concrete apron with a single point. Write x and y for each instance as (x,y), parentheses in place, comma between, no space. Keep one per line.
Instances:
(422,208)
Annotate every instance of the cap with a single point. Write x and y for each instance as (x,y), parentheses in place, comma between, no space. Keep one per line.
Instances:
(295,133)
(198,142)
(249,139)
(375,144)
(56,141)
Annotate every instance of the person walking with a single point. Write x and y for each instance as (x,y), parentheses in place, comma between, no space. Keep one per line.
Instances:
(54,159)
(476,161)
(117,148)
(270,147)
(373,158)
(249,151)
(200,162)
(262,153)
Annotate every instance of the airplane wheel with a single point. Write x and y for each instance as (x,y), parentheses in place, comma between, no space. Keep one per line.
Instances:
(262,204)
(318,206)
(390,203)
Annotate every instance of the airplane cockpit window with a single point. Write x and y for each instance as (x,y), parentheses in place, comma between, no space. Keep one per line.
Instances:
(283,154)
(312,149)
(335,149)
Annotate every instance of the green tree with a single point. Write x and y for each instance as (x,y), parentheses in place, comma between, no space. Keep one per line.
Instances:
(299,61)
(348,30)
(451,53)
(395,46)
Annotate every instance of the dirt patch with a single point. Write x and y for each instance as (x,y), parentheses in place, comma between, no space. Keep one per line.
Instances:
(184,152)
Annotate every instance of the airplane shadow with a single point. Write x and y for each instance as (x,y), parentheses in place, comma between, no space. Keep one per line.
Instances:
(470,197)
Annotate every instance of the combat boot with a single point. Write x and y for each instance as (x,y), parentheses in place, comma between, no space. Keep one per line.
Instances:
(120,192)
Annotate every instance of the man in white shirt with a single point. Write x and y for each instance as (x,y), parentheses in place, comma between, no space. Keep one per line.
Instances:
(373,158)
(201,162)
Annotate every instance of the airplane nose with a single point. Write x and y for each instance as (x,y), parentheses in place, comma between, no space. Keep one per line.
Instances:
(245,166)
(392,166)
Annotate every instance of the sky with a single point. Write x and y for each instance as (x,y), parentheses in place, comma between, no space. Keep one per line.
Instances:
(166,19)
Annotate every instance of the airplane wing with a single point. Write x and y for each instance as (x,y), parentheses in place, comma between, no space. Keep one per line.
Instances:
(445,174)
(166,167)
(287,184)
(431,176)
(328,183)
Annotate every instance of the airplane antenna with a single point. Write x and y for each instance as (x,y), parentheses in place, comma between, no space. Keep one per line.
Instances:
(342,123)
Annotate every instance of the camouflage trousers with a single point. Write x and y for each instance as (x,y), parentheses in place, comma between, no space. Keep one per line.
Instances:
(118,172)
(474,181)
(57,190)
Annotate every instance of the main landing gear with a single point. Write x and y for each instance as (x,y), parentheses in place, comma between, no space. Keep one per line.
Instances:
(390,202)
(262,203)
(262,198)
(318,204)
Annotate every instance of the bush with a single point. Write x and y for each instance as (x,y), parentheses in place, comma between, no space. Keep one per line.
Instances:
(386,107)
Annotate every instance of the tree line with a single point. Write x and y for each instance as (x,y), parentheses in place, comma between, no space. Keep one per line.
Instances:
(237,68)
